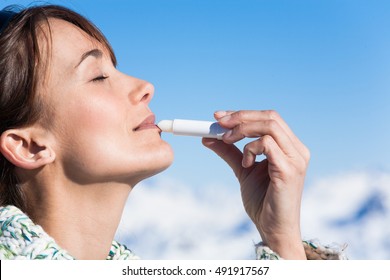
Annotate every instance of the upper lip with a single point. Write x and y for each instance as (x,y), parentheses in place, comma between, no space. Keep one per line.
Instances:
(149,120)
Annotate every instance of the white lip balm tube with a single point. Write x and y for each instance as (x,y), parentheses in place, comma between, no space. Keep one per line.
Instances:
(193,128)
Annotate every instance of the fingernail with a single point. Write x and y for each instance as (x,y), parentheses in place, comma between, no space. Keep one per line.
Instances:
(225,118)
(220,114)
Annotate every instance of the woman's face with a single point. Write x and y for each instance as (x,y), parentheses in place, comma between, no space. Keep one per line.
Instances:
(102,127)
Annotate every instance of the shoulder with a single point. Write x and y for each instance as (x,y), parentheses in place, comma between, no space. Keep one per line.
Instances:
(21,238)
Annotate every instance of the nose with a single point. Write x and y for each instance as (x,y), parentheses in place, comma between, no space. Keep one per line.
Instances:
(141,91)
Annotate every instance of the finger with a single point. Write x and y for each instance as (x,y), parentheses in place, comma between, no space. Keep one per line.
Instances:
(232,119)
(303,150)
(266,146)
(260,129)
(221,114)
(280,166)
(229,153)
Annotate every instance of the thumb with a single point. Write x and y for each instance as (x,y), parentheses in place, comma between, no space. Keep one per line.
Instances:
(228,152)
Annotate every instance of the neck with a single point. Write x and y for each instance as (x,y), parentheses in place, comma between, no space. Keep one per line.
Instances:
(81,219)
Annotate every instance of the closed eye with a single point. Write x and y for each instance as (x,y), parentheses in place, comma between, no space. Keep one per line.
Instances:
(99,79)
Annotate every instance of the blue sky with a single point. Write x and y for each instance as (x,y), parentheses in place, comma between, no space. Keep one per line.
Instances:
(323,65)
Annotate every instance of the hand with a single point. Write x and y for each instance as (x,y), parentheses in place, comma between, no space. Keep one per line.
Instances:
(271,190)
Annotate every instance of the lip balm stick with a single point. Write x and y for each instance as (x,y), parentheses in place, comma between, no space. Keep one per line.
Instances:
(193,128)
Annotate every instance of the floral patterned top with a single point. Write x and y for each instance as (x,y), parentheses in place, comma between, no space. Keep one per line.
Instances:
(22,239)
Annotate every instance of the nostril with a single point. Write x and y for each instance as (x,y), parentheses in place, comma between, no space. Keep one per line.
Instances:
(146,97)
(141,92)
(148,92)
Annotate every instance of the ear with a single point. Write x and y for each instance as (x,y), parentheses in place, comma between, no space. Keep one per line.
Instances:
(25,149)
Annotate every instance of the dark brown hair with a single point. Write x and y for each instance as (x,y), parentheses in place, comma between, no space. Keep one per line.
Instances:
(21,67)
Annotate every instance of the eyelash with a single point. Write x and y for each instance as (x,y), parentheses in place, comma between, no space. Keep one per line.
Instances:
(99,79)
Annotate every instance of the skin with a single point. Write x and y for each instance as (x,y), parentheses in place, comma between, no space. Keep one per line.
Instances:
(271,190)
(78,166)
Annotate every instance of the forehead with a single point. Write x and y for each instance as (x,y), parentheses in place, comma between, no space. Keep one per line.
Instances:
(68,42)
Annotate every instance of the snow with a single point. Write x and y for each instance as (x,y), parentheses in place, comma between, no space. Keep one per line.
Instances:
(167,219)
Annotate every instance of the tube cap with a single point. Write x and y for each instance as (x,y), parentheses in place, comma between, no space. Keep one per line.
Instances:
(166,125)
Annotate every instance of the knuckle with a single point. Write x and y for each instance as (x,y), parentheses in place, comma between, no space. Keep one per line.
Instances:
(239,115)
(301,166)
(307,155)
(273,115)
(267,140)
(240,129)
(289,172)
(247,149)
(272,125)
(294,170)
(252,146)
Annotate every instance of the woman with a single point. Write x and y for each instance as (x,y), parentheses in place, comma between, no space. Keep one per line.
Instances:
(77,135)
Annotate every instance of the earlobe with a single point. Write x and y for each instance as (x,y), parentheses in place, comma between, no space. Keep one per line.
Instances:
(19,147)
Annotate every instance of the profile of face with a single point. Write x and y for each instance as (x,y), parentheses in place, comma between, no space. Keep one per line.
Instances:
(100,126)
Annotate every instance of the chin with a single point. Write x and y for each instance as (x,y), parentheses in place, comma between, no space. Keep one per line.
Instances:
(163,159)
(156,163)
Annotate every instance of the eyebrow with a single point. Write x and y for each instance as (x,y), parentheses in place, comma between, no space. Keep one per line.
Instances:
(95,53)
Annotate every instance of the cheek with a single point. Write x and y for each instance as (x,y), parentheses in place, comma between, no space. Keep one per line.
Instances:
(97,141)
(98,116)
(90,128)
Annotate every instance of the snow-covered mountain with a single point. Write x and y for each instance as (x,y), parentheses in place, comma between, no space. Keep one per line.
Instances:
(166,219)
(353,209)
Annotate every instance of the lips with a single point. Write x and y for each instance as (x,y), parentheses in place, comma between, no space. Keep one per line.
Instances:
(148,123)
